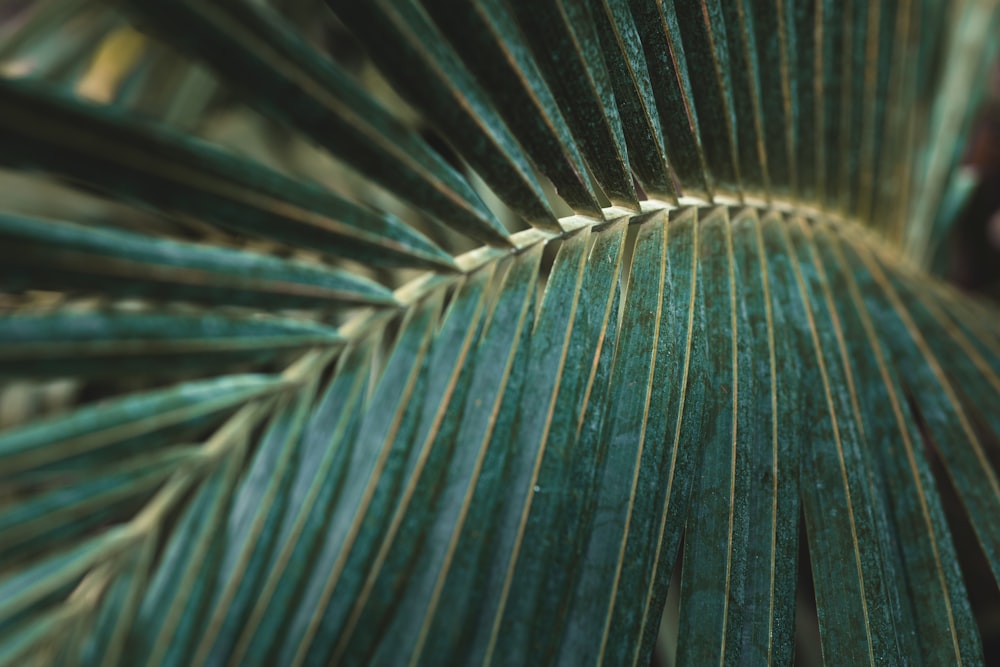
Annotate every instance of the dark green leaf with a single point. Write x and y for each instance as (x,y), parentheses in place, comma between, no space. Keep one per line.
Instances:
(156,167)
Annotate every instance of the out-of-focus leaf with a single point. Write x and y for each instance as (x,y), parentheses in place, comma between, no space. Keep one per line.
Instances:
(431,74)
(122,344)
(297,85)
(154,166)
(131,265)
(127,425)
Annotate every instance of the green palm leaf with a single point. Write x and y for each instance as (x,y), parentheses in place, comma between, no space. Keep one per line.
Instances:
(276,443)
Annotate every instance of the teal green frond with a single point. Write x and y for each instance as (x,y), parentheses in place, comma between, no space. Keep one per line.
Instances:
(265,402)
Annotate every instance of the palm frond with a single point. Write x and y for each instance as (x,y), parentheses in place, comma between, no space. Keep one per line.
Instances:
(283,446)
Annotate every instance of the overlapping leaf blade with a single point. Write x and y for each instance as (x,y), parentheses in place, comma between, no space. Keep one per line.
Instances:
(303,88)
(132,265)
(154,166)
